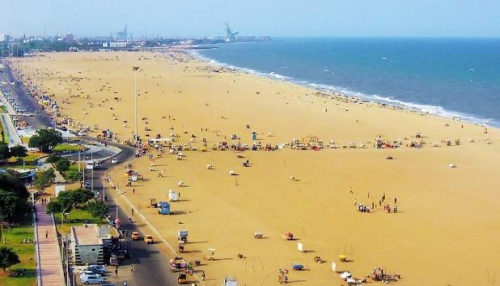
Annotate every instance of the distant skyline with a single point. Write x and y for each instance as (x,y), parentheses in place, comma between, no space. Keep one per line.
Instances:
(276,18)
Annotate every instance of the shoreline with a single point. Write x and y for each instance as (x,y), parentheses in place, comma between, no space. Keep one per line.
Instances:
(332,90)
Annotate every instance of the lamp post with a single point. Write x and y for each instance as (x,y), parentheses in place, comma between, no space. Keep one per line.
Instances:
(136,134)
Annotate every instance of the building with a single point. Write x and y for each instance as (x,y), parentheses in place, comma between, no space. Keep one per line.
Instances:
(88,243)
(69,38)
(4,38)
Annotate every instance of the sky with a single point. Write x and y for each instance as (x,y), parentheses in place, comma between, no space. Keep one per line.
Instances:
(276,18)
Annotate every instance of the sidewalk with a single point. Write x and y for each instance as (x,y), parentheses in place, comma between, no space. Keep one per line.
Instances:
(51,271)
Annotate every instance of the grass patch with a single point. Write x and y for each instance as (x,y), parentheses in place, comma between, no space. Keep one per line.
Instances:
(25,140)
(26,253)
(76,217)
(3,109)
(67,148)
(29,160)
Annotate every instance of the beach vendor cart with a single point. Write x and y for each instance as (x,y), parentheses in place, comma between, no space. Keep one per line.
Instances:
(182,235)
(173,196)
(211,254)
(230,281)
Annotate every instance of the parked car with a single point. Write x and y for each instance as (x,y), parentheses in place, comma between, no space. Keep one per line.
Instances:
(99,269)
(92,279)
(135,235)
(88,273)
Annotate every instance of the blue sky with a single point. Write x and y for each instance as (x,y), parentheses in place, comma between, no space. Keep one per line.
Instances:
(315,18)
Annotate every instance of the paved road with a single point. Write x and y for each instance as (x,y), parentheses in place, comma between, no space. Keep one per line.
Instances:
(51,271)
(150,266)
(21,96)
(11,130)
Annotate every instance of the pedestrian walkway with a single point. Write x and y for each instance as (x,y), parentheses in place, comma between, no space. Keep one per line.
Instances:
(51,271)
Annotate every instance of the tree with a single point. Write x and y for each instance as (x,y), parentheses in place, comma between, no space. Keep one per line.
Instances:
(81,196)
(44,179)
(54,206)
(18,151)
(10,182)
(12,207)
(45,139)
(8,257)
(73,175)
(62,165)
(4,151)
(97,209)
(66,200)
(53,158)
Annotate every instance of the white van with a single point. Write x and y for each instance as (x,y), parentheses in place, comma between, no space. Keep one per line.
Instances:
(91,165)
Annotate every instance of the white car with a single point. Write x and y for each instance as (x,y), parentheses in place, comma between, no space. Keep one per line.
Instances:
(86,273)
(114,161)
(92,279)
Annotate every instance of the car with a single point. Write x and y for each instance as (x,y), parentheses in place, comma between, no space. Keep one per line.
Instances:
(148,239)
(135,235)
(114,161)
(92,279)
(99,269)
(89,273)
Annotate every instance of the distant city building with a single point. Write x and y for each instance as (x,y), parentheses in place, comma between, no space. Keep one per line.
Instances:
(4,38)
(69,38)
(114,45)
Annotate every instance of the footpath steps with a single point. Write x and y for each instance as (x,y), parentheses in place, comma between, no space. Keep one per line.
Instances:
(51,271)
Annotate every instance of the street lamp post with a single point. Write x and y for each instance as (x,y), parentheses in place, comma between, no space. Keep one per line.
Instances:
(136,135)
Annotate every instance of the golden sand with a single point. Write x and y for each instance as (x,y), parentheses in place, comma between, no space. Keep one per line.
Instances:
(447,229)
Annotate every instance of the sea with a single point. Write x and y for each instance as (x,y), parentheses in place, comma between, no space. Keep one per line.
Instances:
(456,78)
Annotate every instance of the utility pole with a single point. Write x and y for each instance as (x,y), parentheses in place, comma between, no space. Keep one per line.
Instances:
(136,135)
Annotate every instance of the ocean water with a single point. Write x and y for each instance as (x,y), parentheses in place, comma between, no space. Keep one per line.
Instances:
(448,77)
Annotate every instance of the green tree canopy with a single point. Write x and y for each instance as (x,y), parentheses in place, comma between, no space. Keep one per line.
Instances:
(97,209)
(10,182)
(69,199)
(8,257)
(53,158)
(12,207)
(18,151)
(73,175)
(44,179)
(4,151)
(45,139)
(62,165)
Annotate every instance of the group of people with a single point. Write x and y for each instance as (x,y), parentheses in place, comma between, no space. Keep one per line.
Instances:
(366,208)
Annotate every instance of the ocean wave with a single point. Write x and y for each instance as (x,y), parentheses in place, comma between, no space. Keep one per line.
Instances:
(418,107)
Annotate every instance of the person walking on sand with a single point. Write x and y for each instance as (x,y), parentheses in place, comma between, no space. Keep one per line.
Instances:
(131,268)
(125,283)
(116,271)
(351,192)
(133,191)
(203,276)
(395,200)
(46,234)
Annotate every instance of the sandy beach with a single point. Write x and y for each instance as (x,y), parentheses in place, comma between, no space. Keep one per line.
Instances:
(444,233)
